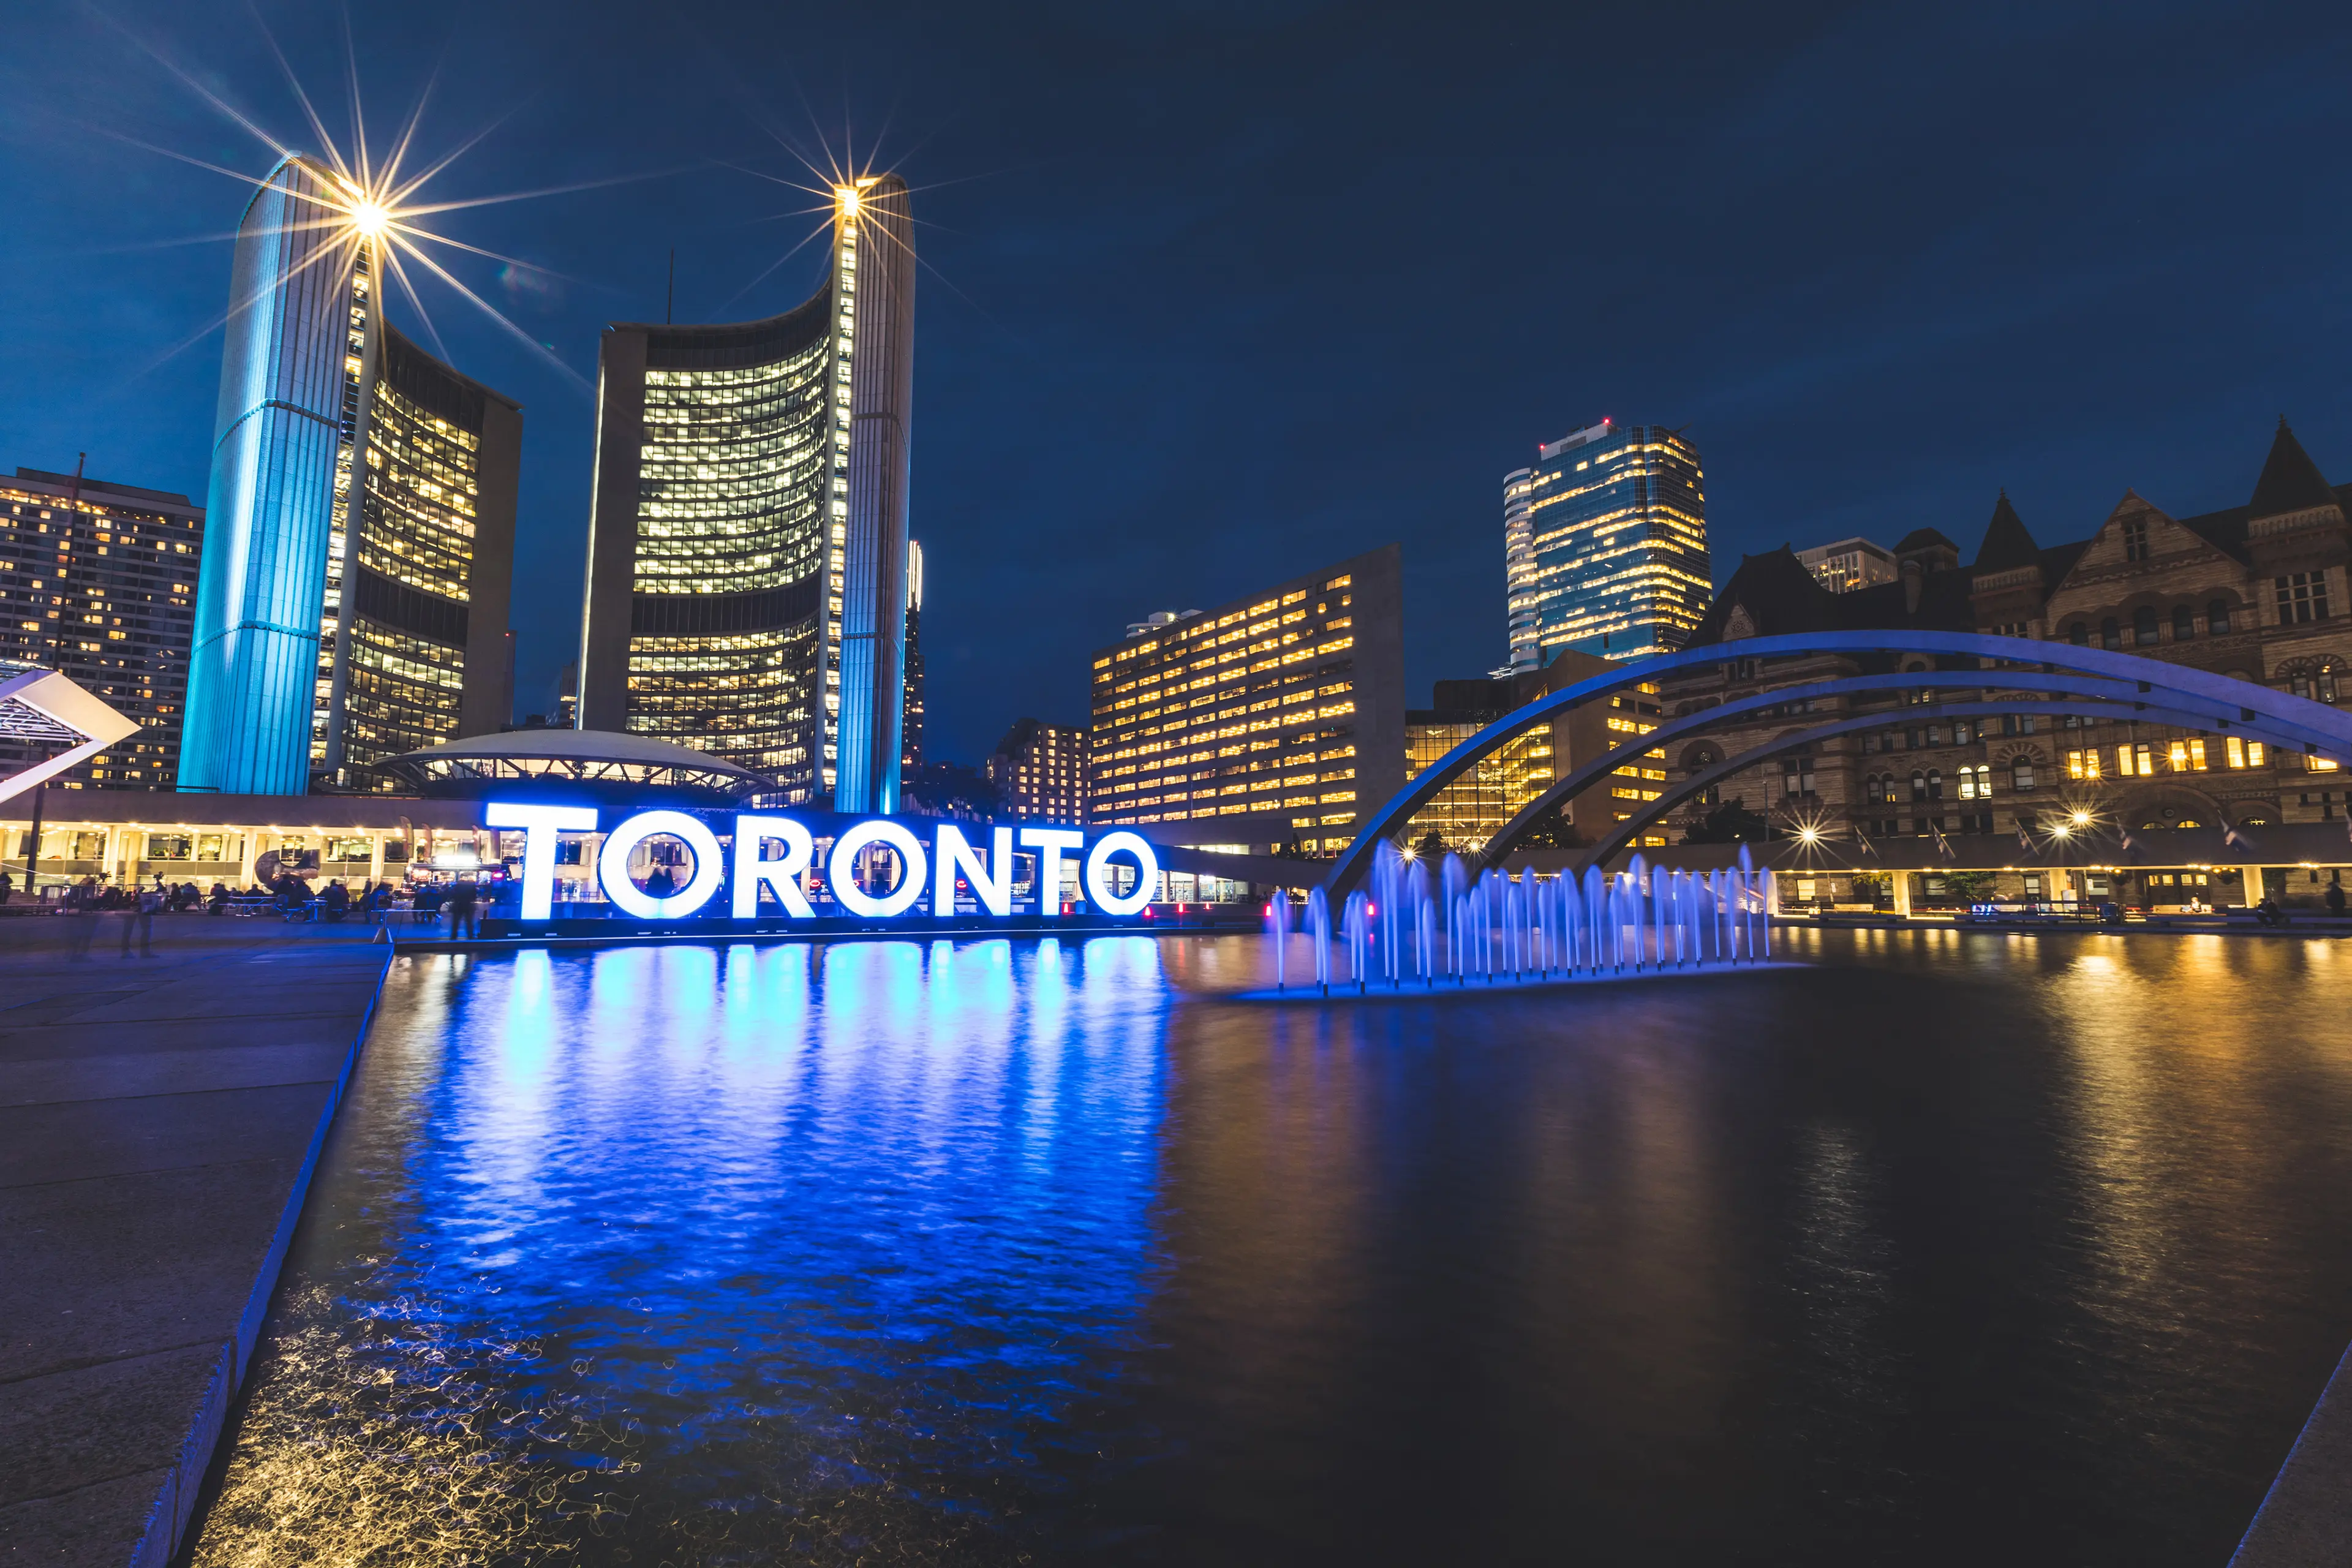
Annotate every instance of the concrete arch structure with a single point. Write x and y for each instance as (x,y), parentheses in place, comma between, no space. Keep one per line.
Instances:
(2088,681)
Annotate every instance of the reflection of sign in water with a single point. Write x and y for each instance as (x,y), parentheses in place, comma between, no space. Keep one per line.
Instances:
(985,869)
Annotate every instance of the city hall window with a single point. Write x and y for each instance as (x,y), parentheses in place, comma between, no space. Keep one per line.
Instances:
(2021,774)
(2184,622)
(2135,540)
(2079,634)
(2144,630)
(2111,632)
(2217,617)
(2301,596)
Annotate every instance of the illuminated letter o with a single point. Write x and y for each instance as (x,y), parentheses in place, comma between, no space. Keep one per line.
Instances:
(1147,873)
(613,864)
(914,868)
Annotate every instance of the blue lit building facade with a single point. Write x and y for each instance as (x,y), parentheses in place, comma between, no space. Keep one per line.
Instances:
(353,600)
(1615,519)
(747,555)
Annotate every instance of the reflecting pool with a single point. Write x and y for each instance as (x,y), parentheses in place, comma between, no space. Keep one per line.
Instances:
(1944,1249)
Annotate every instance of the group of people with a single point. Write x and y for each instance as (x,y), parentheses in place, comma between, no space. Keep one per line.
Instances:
(289,894)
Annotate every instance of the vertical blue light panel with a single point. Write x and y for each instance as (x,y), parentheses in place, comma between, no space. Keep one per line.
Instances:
(260,592)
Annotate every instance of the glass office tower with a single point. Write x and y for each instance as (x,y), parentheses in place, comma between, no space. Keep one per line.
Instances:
(1522,648)
(748,553)
(353,600)
(1618,519)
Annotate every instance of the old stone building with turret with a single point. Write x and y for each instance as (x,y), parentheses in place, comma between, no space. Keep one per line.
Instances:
(2256,593)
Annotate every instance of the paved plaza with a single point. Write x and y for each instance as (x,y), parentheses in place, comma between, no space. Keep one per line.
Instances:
(159,1115)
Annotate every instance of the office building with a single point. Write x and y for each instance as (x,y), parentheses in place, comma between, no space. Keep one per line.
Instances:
(353,603)
(2256,591)
(1277,719)
(1526,651)
(910,749)
(1040,771)
(1475,806)
(1850,563)
(748,549)
(98,582)
(1617,521)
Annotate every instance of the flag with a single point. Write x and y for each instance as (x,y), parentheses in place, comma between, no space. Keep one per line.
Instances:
(2234,839)
(2024,839)
(1872,849)
(1943,844)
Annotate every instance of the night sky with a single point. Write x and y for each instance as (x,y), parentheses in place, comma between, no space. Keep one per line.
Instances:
(1217,293)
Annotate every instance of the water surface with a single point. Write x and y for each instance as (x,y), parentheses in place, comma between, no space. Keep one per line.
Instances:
(1948,1248)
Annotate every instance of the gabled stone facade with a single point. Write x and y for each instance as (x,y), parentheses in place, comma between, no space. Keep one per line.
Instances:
(2256,593)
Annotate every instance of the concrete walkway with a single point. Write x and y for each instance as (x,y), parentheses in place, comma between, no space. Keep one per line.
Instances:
(160,1116)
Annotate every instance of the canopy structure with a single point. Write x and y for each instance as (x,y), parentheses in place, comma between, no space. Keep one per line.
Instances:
(41,708)
(2009,674)
(603,764)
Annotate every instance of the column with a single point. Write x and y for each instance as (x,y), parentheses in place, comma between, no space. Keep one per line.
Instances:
(1901,895)
(376,856)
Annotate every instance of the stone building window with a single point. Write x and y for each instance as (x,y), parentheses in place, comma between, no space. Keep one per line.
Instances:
(2135,540)
(2021,773)
(2301,596)
(2079,634)
(2184,622)
(2110,633)
(2217,617)
(2144,630)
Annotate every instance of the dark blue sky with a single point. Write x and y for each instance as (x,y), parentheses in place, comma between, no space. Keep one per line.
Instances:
(1223,291)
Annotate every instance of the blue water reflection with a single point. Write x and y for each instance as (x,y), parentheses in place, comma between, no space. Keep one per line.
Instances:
(1949,1248)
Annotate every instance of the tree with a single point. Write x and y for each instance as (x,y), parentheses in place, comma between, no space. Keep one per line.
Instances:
(1967,887)
(1548,831)
(1731,823)
(1432,847)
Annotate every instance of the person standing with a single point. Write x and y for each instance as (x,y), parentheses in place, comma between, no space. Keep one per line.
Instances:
(464,900)
(141,912)
(8,887)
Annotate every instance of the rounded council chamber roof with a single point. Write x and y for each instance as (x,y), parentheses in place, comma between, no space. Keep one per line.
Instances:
(600,761)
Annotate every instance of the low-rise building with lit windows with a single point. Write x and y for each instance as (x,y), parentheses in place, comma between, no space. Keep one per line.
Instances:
(2257,592)
(1850,563)
(1276,719)
(1040,771)
(98,582)
(1506,781)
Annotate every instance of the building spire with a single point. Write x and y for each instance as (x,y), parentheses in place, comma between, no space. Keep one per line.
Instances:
(2291,481)
(2007,545)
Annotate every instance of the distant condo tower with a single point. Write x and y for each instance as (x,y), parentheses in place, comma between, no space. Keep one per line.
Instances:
(746,554)
(339,623)
(1605,545)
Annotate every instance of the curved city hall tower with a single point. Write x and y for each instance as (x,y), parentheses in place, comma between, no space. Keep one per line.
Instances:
(338,624)
(746,554)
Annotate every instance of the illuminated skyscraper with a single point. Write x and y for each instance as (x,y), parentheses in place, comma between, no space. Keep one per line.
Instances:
(748,557)
(1617,519)
(910,744)
(339,624)
(1519,569)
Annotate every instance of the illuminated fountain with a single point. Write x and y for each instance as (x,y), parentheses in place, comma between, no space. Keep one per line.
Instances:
(1495,931)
